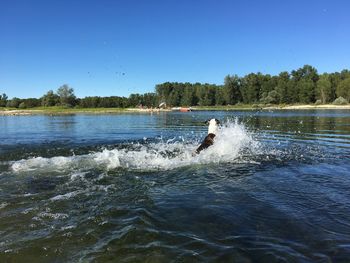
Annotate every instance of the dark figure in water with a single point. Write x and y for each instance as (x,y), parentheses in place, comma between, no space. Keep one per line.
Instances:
(209,139)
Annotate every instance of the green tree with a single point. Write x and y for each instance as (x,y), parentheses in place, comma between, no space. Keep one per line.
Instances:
(50,99)
(344,74)
(200,93)
(66,94)
(90,102)
(220,96)
(271,97)
(231,90)
(150,99)
(334,78)
(189,96)
(135,100)
(292,90)
(22,105)
(268,83)
(251,87)
(211,94)
(13,103)
(282,87)
(175,95)
(304,82)
(3,100)
(324,89)
(306,91)
(31,102)
(343,89)
(206,95)
(164,90)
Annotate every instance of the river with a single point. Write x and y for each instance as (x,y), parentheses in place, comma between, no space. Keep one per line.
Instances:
(275,187)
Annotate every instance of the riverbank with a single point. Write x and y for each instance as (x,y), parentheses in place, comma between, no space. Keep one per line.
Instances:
(55,111)
(274,107)
(63,111)
(67,111)
(305,107)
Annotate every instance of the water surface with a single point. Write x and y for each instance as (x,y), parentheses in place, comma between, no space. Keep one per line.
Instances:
(275,187)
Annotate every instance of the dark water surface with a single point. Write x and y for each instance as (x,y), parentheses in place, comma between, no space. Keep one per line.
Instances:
(275,187)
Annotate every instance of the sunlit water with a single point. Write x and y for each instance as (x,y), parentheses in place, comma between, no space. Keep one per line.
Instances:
(275,187)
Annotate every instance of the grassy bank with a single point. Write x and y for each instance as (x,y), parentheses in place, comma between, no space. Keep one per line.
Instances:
(272,107)
(56,110)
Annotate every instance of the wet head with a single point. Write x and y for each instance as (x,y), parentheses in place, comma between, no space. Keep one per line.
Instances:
(213,125)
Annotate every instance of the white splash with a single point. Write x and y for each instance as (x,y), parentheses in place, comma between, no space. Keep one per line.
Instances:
(46,215)
(231,139)
(3,205)
(66,196)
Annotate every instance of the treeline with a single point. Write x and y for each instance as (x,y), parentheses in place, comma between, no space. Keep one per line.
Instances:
(65,97)
(303,85)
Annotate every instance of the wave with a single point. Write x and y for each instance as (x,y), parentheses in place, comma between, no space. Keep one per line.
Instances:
(231,142)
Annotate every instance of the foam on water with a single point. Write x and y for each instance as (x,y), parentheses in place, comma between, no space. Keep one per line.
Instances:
(232,138)
(66,196)
(45,215)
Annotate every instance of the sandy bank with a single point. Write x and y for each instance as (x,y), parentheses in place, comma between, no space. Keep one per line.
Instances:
(19,112)
(310,107)
(146,110)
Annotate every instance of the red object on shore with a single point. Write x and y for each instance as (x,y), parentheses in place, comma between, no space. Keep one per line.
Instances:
(185,109)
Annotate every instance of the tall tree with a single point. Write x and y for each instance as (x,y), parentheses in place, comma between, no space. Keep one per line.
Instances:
(343,89)
(150,99)
(50,99)
(189,96)
(220,96)
(13,103)
(175,95)
(282,87)
(163,91)
(3,100)
(231,92)
(135,100)
(304,82)
(66,94)
(324,89)
(306,89)
(251,87)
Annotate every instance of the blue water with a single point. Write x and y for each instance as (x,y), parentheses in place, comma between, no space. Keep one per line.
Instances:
(275,187)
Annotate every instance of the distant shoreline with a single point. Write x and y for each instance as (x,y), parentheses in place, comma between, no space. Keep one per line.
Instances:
(306,107)
(66,111)
(276,107)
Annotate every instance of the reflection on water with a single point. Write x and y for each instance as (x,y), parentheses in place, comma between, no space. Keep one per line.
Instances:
(274,188)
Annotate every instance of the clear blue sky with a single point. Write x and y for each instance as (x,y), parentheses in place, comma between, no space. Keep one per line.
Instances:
(126,46)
